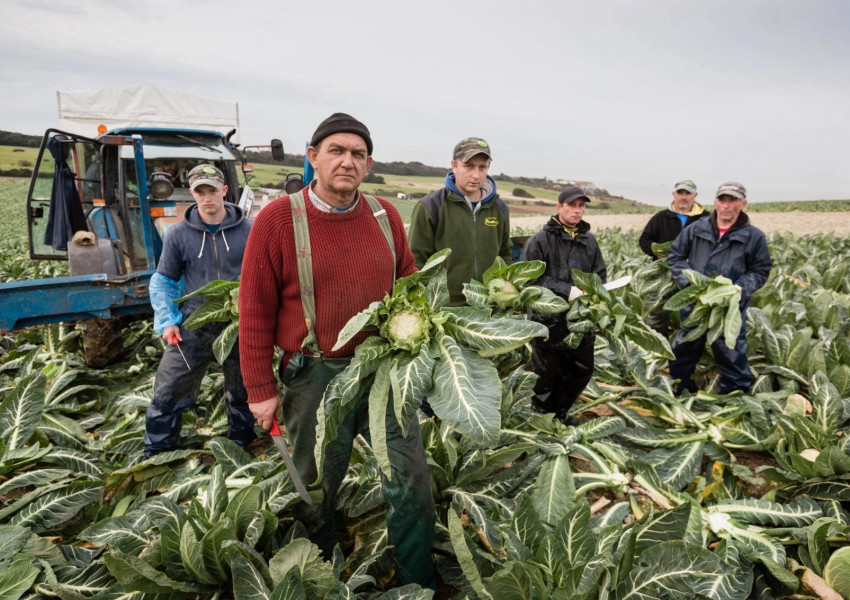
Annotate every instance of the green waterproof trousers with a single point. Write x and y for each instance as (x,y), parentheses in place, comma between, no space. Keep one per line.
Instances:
(408,501)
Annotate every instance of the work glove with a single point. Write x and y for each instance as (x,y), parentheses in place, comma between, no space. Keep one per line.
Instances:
(574,293)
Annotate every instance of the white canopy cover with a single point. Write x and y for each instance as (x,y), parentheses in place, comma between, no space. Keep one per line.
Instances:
(80,112)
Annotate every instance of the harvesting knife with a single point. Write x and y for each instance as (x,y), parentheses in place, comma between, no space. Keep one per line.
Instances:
(618,283)
(176,343)
(277,438)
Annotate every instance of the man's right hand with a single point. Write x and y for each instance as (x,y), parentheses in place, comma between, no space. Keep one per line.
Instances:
(170,333)
(267,410)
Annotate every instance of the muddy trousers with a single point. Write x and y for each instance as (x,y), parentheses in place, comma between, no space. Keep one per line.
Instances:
(408,501)
(732,363)
(176,390)
(562,372)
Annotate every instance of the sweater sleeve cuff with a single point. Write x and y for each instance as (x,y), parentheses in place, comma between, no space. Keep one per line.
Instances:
(262,392)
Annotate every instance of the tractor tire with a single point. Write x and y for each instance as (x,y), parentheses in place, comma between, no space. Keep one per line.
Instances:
(102,341)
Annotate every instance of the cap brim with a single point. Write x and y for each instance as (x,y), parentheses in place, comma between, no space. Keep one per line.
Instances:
(213,182)
(687,189)
(473,153)
(729,192)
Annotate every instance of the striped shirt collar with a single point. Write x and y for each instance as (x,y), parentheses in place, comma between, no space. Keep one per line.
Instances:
(325,207)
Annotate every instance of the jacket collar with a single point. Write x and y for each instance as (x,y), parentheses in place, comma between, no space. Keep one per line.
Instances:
(696,209)
(742,221)
(488,188)
(555,226)
(232,218)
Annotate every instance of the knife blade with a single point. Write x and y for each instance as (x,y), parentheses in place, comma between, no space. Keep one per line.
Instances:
(179,349)
(277,438)
(618,283)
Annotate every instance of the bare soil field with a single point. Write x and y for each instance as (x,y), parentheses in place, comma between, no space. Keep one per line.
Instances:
(798,222)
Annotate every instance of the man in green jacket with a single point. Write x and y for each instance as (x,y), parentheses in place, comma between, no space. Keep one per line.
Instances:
(467,216)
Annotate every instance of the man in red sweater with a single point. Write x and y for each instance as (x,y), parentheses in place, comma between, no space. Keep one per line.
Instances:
(352,264)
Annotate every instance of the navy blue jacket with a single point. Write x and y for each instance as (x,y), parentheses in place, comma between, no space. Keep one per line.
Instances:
(741,254)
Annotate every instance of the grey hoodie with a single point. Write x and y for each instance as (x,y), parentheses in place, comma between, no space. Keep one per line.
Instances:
(190,250)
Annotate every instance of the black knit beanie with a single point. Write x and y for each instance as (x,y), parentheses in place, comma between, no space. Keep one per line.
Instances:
(341,123)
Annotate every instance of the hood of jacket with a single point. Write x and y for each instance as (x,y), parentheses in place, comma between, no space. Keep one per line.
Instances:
(742,221)
(554,225)
(488,188)
(696,210)
(233,216)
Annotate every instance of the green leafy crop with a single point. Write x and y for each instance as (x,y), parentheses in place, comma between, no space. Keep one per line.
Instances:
(222,306)
(505,290)
(716,310)
(600,310)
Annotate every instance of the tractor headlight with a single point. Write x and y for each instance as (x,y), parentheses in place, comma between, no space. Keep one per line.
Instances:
(161,186)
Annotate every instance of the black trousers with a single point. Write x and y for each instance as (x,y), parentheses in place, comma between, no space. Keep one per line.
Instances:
(563,373)
(176,390)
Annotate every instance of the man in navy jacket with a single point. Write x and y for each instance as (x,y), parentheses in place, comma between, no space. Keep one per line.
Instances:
(723,244)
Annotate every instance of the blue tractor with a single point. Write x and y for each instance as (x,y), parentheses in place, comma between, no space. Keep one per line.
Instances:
(104,205)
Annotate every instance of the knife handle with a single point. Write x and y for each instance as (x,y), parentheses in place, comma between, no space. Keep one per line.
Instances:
(275,430)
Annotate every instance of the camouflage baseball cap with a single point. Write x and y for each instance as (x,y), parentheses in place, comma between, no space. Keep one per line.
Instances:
(687,185)
(469,147)
(206,175)
(732,188)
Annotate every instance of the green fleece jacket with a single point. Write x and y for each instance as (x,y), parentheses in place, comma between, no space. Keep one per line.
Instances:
(444,219)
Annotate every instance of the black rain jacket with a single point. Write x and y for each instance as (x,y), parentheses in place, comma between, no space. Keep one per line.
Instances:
(663,227)
(562,253)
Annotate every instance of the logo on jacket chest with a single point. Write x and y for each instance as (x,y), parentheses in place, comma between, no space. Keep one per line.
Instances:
(491,221)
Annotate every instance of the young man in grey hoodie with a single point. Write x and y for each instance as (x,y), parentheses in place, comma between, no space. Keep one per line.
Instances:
(207,245)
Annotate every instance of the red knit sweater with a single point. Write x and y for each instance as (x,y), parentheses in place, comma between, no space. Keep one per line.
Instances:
(352,267)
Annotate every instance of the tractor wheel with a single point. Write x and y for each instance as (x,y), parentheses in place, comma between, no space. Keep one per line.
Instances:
(102,342)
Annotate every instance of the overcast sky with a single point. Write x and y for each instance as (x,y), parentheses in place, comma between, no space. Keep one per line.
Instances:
(631,95)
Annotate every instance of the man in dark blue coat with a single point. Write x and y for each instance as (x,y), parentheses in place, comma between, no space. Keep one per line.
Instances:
(723,244)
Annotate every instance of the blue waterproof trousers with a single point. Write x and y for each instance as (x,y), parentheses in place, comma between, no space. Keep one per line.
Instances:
(732,363)
(408,501)
(176,390)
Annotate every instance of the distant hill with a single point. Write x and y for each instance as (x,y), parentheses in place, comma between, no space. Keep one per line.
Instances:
(9,138)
